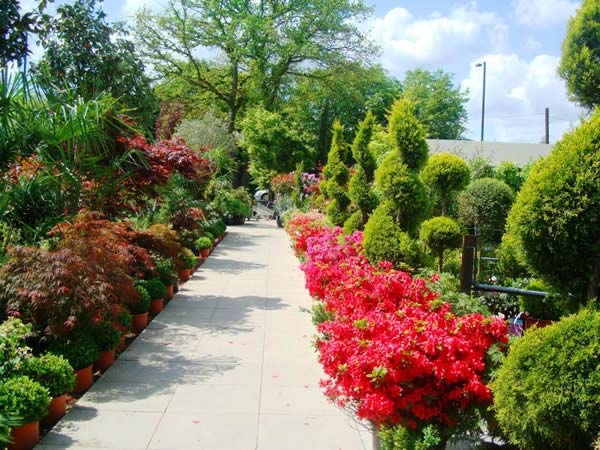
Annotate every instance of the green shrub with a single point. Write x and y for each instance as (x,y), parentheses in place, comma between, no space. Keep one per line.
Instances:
(362,196)
(188,237)
(439,234)
(25,398)
(203,243)
(7,421)
(124,319)
(13,350)
(335,178)
(402,189)
(210,236)
(385,241)
(234,202)
(52,371)
(106,336)
(401,438)
(547,308)
(165,268)
(485,203)
(511,174)
(143,304)
(481,167)
(445,174)
(80,350)
(354,223)
(154,287)
(547,391)
(511,255)
(360,147)
(407,134)
(557,212)
(187,258)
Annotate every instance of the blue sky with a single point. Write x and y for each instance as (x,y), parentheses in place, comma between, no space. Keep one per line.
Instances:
(519,39)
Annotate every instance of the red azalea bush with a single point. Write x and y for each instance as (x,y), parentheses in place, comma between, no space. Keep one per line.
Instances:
(303,226)
(394,352)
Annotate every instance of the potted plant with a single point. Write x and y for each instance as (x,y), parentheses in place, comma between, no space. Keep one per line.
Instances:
(166,273)
(186,261)
(55,374)
(121,320)
(81,351)
(139,310)
(157,292)
(107,339)
(204,245)
(28,400)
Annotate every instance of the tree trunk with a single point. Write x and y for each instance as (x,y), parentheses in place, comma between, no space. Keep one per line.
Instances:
(444,200)
(323,133)
(594,285)
(441,262)
(233,96)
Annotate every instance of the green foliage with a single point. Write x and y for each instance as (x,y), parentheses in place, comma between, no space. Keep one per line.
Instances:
(203,243)
(403,190)
(273,143)
(52,371)
(380,143)
(319,313)
(511,174)
(360,147)
(401,438)
(448,287)
(556,215)
(165,268)
(439,234)
(143,304)
(384,240)
(440,106)
(7,421)
(234,202)
(124,320)
(154,287)
(80,350)
(407,134)
(13,349)
(362,197)
(354,223)
(445,174)
(85,55)
(511,255)
(547,308)
(14,27)
(580,62)
(106,336)
(187,259)
(24,398)
(485,203)
(481,167)
(335,178)
(547,391)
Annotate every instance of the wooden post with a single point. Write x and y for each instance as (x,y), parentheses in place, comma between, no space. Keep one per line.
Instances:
(467,260)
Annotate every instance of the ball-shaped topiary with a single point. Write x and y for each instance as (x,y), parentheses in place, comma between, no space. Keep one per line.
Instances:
(155,288)
(557,212)
(485,203)
(186,259)
(203,243)
(445,174)
(106,336)
(80,350)
(547,391)
(439,234)
(24,398)
(403,190)
(143,304)
(52,371)
(407,134)
(384,240)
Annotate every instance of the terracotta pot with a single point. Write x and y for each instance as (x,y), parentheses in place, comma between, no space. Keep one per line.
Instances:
(139,322)
(184,274)
(25,437)
(157,306)
(105,360)
(204,253)
(84,379)
(56,409)
(169,291)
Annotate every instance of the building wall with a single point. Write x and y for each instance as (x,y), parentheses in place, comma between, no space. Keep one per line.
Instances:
(496,152)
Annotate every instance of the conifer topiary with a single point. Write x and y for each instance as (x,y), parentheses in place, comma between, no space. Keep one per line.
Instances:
(335,178)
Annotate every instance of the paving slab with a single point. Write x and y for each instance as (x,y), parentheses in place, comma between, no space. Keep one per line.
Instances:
(227,365)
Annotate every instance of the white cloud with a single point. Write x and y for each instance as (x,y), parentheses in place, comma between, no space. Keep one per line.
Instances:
(543,13)
(131,7)
(433,41)
(517,93)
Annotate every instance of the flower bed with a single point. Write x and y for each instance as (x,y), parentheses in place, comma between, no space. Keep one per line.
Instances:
(393,351)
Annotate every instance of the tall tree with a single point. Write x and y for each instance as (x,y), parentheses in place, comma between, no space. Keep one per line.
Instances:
(580,62)
(440,106)
(86,55)
(261,43)
(14,27)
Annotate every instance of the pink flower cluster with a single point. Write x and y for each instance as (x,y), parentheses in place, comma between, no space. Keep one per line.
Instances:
(394,351)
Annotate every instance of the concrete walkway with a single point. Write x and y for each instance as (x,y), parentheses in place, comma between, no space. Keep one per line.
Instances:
(228,365)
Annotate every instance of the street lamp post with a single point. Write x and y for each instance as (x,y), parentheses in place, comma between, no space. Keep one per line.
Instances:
(484,65)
